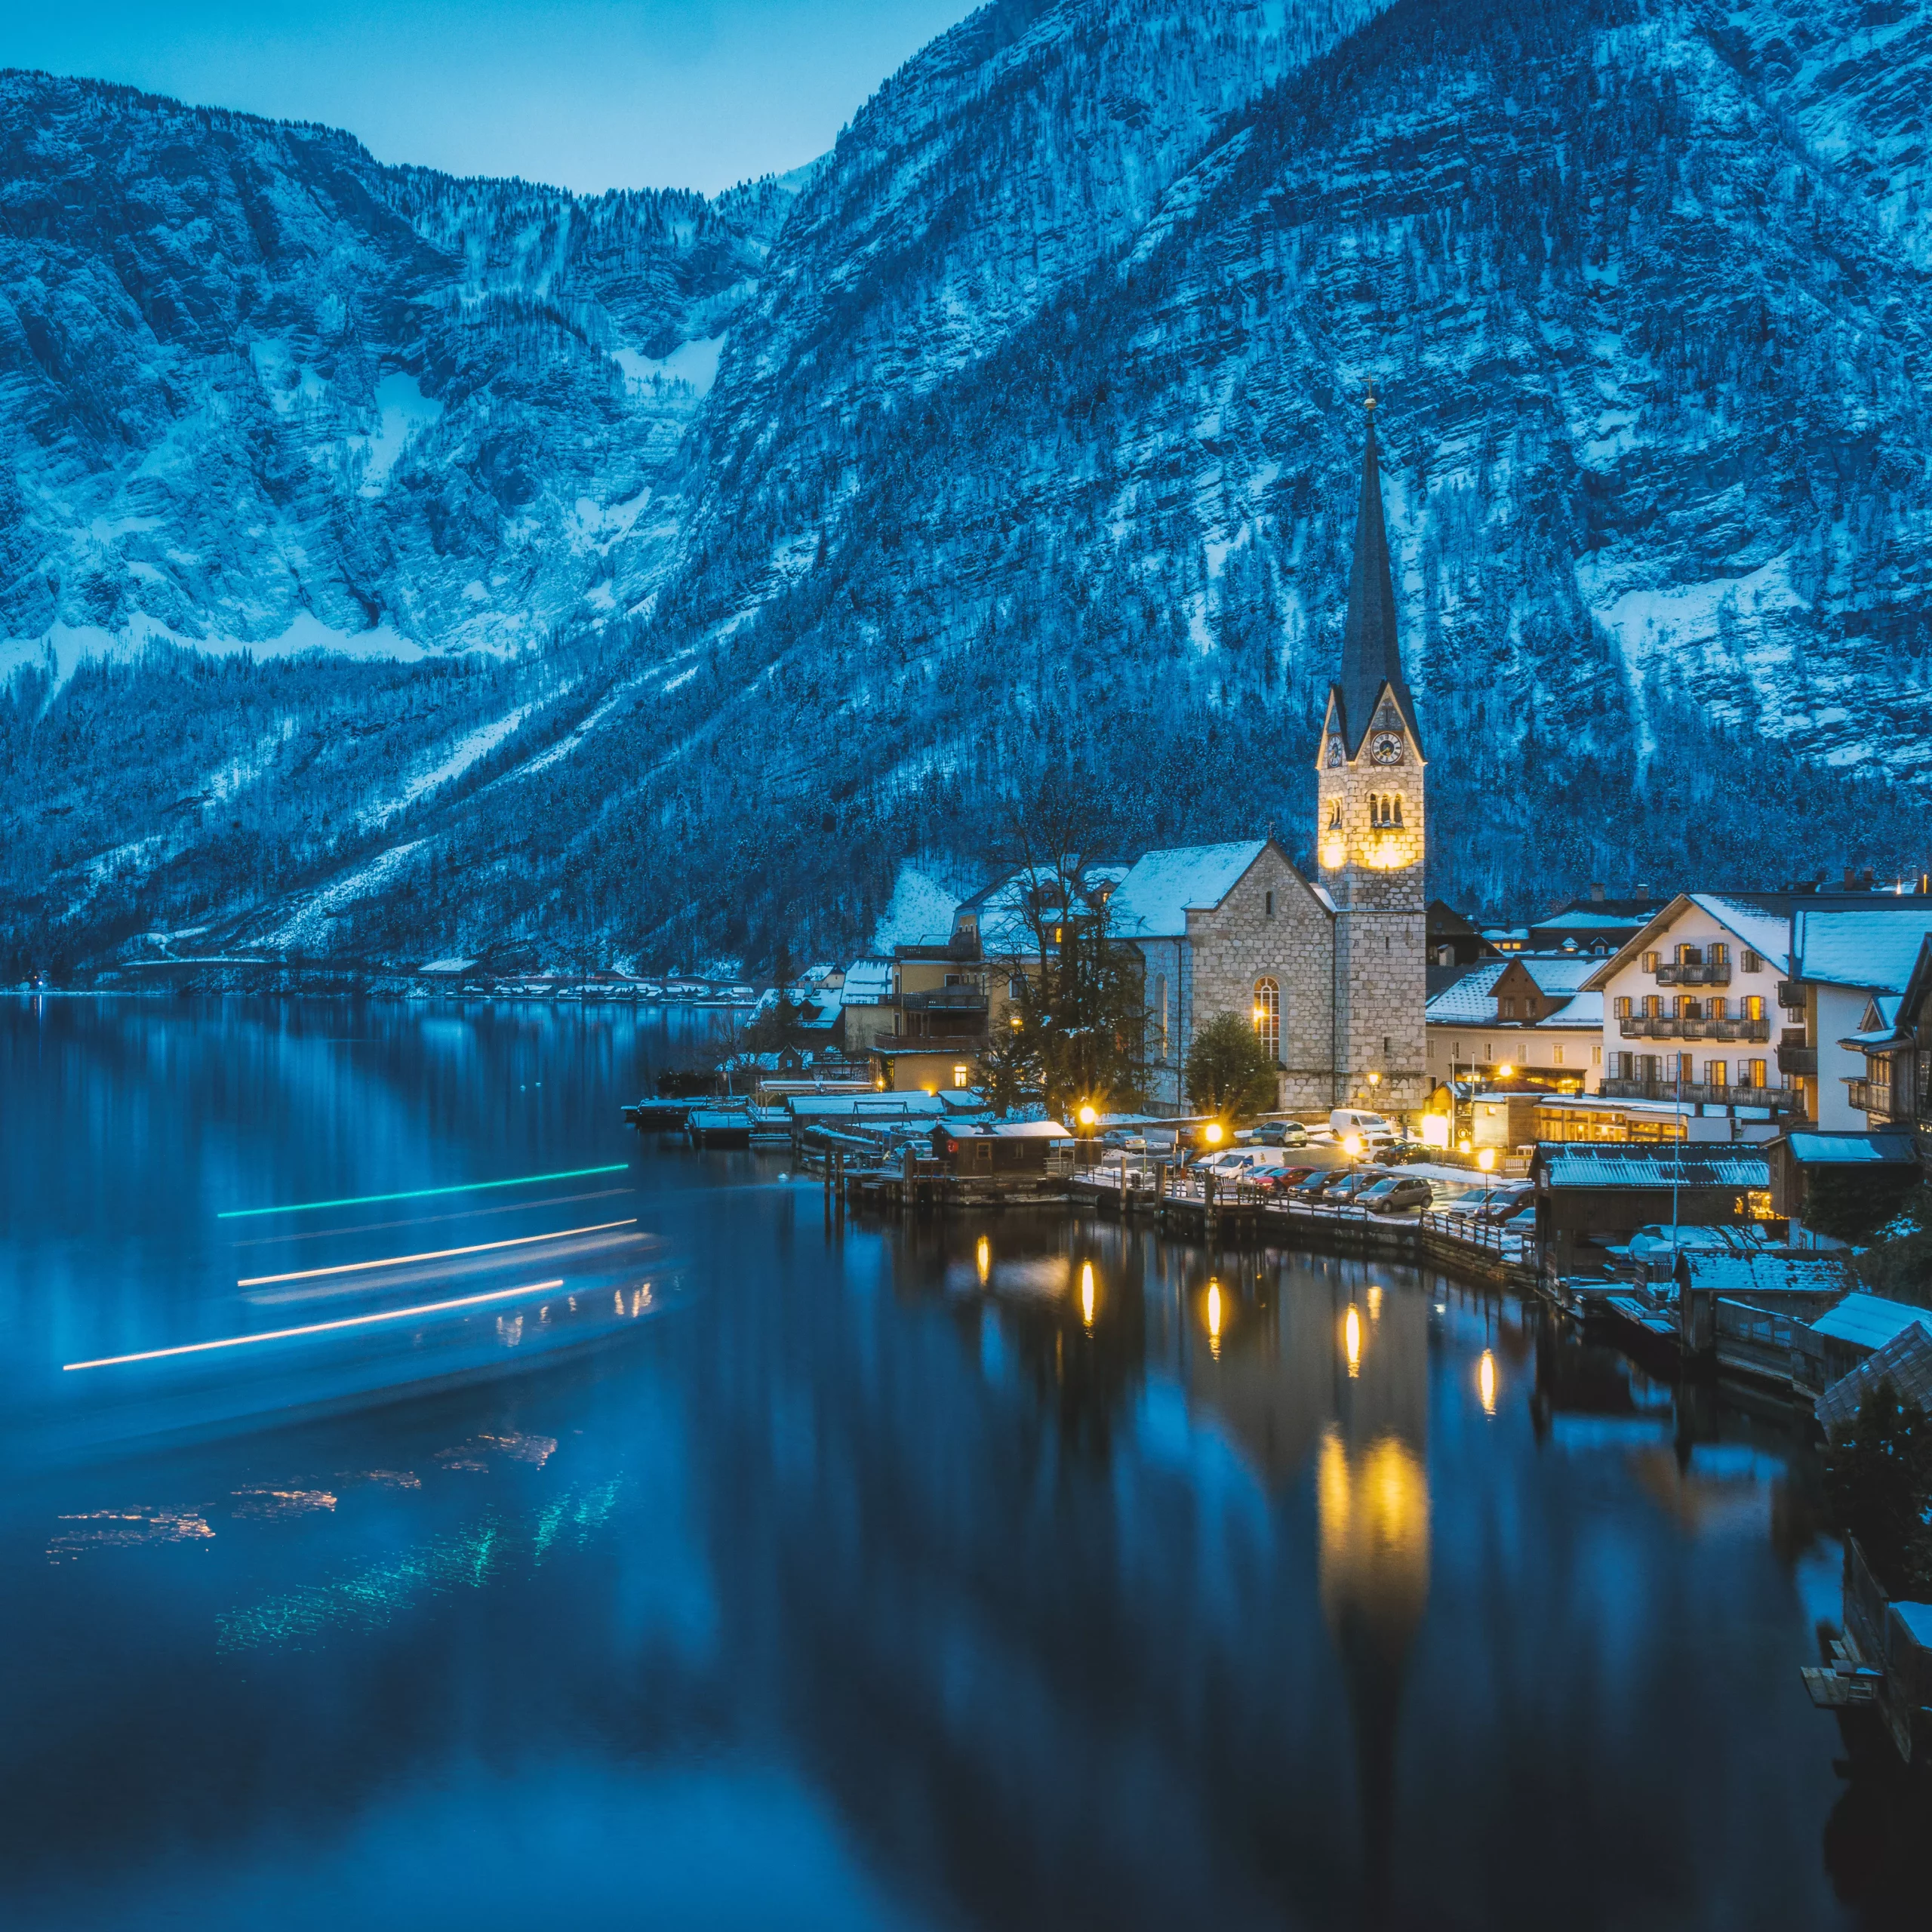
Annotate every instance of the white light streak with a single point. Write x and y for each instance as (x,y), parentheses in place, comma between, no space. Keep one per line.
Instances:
(317,1327)
(434,1254)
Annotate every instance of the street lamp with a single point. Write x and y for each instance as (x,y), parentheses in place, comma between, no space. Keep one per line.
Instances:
(1087,1117)
(1486,1160)
(1211,1134)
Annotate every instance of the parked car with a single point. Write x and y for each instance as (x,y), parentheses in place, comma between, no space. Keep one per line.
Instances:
(1283,1180)
(1371,1129)
(1396,1193)
(1354,1182)
(1281,1133)
(1316,1182)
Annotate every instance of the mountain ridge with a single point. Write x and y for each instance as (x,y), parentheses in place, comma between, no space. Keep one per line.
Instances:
(1647,341)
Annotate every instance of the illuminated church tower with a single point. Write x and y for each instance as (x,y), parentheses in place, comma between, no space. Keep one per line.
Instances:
(1369,835)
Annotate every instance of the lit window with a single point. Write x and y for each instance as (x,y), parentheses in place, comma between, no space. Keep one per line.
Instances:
(959,1075)
(1267,1017)
(1556,1056)
(1651,961)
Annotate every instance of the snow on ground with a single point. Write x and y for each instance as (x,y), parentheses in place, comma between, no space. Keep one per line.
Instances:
(402,410)
(555,754)
(919,913)
(246,767)
(453,763)
(71,645)
(306,930)
(695,362)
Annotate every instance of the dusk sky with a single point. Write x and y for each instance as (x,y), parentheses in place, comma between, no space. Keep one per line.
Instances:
(588,94)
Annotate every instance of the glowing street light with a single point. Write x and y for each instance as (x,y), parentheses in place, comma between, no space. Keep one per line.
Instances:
(1211,1134)
(1086,1115)
(1486,1160)
(1505,1071)
(1351,1145)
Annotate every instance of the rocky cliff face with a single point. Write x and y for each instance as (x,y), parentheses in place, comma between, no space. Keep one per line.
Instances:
(1031,441)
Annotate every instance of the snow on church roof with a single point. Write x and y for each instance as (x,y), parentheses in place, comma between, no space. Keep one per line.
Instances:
(1154,899)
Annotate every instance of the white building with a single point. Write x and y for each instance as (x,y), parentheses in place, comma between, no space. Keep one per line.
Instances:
(1691,1005)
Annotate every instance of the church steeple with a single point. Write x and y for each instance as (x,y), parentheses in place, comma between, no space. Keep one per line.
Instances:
(1371,656)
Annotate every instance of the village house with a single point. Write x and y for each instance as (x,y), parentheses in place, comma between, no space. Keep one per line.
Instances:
(1689,1004)
(1525,1016)
(1847,951)
(1893,1090)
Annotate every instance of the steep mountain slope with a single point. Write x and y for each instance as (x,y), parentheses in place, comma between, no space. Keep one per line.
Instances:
(1650,366)
(256,387)
(1033,442)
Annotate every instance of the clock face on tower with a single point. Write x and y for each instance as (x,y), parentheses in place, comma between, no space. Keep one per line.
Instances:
(1334,751)
(1387,749)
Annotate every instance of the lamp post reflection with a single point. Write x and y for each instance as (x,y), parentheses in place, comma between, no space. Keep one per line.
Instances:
(1486,1382)
(1087,1293)
(1351,1341)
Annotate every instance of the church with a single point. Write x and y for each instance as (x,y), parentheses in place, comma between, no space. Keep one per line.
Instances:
(1330,969)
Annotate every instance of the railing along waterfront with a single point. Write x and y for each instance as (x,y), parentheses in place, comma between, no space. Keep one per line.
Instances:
(1471,1233)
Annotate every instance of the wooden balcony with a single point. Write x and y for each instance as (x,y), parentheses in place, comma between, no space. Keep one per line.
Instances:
(1791,995)
(1718,974)
(1794,1056)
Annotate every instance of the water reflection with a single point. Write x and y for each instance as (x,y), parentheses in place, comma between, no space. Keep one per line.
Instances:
(921,1573)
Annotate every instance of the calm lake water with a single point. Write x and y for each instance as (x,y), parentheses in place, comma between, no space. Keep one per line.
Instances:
(865,1577)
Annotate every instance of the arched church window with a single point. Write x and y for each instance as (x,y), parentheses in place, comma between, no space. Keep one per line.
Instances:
(1268,1016)
(1398,811)
(1335,816)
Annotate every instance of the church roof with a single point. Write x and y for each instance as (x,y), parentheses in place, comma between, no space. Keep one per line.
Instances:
(1154,899)
(1370,655)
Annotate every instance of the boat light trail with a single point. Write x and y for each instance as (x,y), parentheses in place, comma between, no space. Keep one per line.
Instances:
(319,1328)
(432,1254)
(420,1193)
(424,1220)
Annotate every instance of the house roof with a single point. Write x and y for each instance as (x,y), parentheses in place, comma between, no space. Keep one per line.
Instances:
(1471,1001)
(861,1106)
(1819,1150)
(1614,1164)
(1558,975)
(1870,1320)
(1154,899)
(868,982)
(1874,946)
(1904,1361)
(1740,1276)
(1761,922)
(1881,1026)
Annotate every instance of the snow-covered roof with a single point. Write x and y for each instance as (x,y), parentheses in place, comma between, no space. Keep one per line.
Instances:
(1154,899)
(1611,1165)
(1583,921)
(1764,931)
(1816,1150)
(1559,974)
(919,913)
(1870,1320)
(1026,1130)
(1740,1276)
(862,1106)
(1471,1002)
(1858,947)
(1904,1361)
(868,982)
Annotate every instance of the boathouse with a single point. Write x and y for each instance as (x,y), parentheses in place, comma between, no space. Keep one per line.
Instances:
(1591,1196)
(1018,1148)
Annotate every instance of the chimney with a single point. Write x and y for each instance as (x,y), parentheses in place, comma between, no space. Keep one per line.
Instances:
(1871,879)
(1644,890)
(1851,880)
(1597,895)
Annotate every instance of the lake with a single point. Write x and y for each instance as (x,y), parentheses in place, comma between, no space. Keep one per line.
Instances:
(1008,1572)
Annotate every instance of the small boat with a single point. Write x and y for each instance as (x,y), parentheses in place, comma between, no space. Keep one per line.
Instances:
(659,1116)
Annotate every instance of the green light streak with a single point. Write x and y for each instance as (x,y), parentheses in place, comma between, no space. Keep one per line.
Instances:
(418,1193)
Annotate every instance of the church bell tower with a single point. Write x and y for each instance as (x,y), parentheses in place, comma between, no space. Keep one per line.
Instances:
(1369,834)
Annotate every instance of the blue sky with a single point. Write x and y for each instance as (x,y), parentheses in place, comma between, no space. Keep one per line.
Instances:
(589,94)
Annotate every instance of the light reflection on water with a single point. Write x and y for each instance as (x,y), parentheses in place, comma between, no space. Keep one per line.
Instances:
(1010,1574)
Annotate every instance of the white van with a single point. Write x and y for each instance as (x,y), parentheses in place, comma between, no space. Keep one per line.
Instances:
(1372,1130)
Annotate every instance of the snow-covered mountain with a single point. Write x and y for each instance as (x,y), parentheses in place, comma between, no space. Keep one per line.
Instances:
(1031,440)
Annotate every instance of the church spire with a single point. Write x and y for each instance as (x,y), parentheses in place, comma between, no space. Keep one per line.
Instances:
(1371,656)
